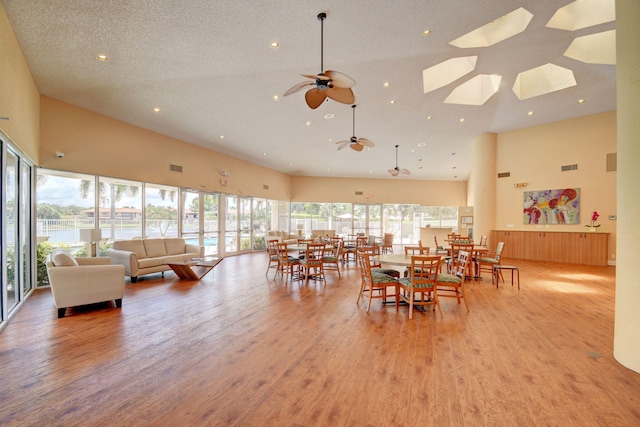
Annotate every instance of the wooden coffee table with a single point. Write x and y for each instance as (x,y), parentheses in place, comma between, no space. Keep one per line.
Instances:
(194,269)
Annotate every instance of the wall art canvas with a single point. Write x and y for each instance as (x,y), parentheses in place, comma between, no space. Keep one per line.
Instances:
(552,206)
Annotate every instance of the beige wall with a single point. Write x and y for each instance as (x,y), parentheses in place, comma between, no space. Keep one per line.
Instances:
(535,156)
(19,98)
(343,190)
(96,144)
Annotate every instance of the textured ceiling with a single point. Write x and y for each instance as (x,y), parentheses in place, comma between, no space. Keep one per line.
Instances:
(208,66)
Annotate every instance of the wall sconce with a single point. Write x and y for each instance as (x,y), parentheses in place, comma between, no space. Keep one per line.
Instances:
(91,236)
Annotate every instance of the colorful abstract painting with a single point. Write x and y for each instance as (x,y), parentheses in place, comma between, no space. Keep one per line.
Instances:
(552,206)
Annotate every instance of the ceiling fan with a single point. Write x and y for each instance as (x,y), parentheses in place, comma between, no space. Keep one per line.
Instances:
(396,171)
(354,143)
(332,84)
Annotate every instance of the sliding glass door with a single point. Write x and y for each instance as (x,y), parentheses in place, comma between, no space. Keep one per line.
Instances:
(200,220)
(18,249)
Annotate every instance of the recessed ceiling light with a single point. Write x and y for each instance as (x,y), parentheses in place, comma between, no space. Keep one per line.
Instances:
(530,113)
(290,163)
(328,116)
(276,97)
(274,44)
(330,139)
(580,101)
(386,84)
(157,110)
(308,123)
(264,154)
(221,136)
(426,32)
(462,120)
(422,144)
(102,57)
(370,171)
(393,101)
(429,117)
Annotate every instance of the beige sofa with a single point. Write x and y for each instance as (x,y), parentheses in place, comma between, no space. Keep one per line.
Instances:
(318,234)
(81,281)
(146,256)
(282,236)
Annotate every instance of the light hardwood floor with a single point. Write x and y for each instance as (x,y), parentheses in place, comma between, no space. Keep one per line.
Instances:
(238,349)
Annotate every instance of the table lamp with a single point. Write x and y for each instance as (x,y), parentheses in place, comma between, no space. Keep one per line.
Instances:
(92,236)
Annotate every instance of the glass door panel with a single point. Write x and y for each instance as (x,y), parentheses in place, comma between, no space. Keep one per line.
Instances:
(231,229)
(12,251)
(209,226)
(244,205)
(260,219)
(200,220)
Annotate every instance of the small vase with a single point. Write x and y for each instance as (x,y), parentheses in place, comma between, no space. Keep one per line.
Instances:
(593,229)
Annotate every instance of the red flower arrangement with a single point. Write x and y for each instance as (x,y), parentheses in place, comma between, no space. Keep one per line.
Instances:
(594,218)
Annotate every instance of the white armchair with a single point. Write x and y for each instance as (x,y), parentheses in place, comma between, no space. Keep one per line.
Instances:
(81,281)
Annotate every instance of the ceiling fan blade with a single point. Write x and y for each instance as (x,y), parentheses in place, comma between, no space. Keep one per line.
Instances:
(405,171)
(339,79)
(356,147)
(366,142)
(343,95)
(342,144)
(315,76)
(298,87)
(393,172)
(315,97)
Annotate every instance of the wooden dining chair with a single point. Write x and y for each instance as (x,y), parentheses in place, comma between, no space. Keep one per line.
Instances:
(272,252)
(455,251)
(486,262)
(333,255)
(420,283)
(313,263)
(453,284)
(387,243)
(373,284)
(415,250)
(288,266)
(376,266)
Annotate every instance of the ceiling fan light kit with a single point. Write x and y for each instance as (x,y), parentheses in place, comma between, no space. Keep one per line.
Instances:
(327,84)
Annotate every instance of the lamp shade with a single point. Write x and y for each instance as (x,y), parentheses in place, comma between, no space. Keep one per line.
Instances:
(90,234)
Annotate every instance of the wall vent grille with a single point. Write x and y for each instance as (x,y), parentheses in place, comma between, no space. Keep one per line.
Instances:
(612,162)
(175,168)
(359,193)
(265,187)
(504,174)
(569,168)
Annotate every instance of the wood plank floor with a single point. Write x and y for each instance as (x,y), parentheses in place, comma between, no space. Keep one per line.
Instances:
(238,349)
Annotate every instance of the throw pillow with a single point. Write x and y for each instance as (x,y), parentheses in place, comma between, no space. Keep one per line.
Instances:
(62,258)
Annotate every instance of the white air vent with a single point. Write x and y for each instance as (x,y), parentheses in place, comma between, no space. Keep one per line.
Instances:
(175,168)
(359,193)
(504,174)
(612,162)
(569,168)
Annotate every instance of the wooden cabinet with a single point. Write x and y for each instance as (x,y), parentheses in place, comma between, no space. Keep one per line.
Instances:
(572,248)
(513,243)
